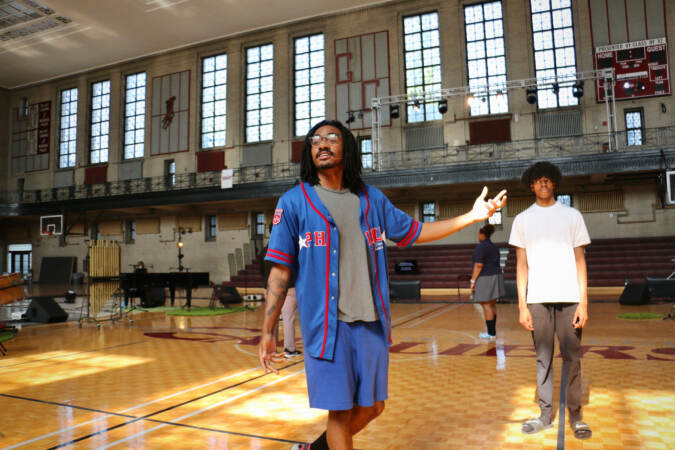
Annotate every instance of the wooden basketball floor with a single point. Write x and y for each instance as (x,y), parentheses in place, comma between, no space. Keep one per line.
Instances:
(176,382)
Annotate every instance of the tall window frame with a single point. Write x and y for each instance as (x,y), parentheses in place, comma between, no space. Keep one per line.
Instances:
(309,81)
(134,115)
(130,231)
(486,58)
(564,198)
(259,229)
(259,118)
(214,101)
(422,63)
(634,118)
(428,212)
(99,123)
(553,43)
(210,228)
(68,128)
(366,147)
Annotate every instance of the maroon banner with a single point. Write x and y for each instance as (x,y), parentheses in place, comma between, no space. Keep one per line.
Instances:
(208,161)
(44,126)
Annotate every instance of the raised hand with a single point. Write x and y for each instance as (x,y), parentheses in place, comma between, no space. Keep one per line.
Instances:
(483,209)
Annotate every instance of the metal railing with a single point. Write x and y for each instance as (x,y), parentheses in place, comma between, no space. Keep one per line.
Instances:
(653,138)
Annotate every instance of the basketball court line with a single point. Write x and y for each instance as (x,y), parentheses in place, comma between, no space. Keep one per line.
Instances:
(207,408)
(416,318)
(148,416)
(110,414)
(414,313)
(398,319)
(439,312)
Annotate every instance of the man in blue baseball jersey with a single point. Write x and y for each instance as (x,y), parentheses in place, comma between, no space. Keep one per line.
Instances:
(329,233)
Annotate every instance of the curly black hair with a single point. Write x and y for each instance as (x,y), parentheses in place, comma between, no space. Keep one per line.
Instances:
(539,170)
(487,230)
(352,157)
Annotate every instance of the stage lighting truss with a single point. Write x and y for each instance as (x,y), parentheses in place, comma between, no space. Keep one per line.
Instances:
(474,93)
(352,115)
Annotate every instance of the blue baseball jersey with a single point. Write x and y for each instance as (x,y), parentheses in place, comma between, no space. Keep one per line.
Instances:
(306,239)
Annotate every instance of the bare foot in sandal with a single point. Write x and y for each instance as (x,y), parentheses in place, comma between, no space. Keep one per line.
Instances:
(581,430)
(531,426)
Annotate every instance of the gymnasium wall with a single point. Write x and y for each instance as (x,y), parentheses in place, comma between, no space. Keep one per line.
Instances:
(337,28)
(639,213)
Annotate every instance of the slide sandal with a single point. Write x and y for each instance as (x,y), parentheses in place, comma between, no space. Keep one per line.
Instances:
(535,425)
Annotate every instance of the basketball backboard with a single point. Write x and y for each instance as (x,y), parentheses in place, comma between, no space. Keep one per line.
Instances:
(51,225)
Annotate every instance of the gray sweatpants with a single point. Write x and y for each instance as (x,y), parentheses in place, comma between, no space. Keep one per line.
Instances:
(549,319)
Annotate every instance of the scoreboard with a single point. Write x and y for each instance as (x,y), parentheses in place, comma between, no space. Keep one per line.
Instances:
(640,69)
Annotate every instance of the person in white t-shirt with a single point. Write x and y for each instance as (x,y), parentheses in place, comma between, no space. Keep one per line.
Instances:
(552,293)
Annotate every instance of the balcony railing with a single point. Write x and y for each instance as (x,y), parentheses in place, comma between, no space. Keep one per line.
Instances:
(653,138)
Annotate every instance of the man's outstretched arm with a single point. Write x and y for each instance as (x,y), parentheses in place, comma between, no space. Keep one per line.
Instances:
(277,286)
(482,209)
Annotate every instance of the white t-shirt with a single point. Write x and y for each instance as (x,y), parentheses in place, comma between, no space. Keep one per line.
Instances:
(549,236)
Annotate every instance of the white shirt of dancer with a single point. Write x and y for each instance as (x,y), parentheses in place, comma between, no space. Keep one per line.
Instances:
(549,236)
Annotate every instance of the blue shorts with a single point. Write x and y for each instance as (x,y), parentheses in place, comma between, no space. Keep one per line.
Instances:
(358,373)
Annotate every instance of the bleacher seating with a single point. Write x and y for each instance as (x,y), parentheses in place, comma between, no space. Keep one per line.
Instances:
(610,262)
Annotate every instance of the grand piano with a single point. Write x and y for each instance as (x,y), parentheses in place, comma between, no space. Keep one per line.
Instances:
(138,283)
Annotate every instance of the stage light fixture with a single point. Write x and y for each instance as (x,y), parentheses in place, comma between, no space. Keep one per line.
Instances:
(555,87)
(578,89)
(531,95)
(416,105)
(360,115)
(469,100)
(443,106)
(350,117)
(641,86)
(180,244)
(394,112)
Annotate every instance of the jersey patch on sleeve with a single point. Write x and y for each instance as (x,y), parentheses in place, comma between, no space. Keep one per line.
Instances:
(277,216)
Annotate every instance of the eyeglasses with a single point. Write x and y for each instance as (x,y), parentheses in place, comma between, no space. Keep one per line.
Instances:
(331,138)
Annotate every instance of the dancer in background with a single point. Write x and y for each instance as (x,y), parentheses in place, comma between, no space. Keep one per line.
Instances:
(487,281)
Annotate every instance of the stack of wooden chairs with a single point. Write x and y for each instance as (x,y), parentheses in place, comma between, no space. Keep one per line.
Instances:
(11,290)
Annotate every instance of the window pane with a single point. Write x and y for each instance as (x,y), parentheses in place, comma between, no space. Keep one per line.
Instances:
(214,101)
(554,53)
(100,122)
(134,114)
(486,61)
(310,81)
(366,153)
(422,60)
(259,92)
(68,127)
(633,127)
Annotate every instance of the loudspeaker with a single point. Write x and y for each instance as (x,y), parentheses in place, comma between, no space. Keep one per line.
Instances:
(45,310)
(404,290)
(510,290)
(661,288)
(227,294)
(634,294)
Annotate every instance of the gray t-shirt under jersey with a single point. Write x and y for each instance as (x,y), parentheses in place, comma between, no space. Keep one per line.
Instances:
(355,301)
